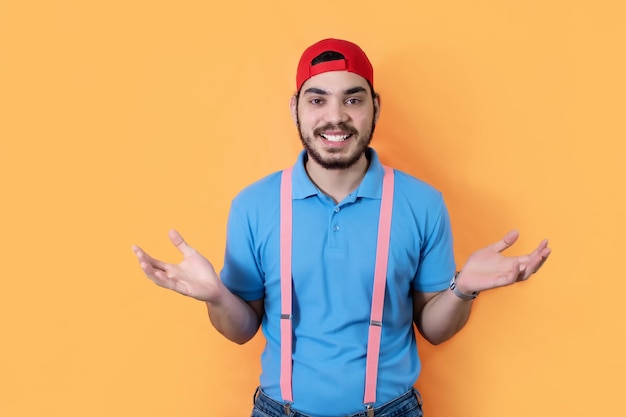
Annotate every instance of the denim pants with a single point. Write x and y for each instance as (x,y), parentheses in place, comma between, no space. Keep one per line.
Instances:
(408,404)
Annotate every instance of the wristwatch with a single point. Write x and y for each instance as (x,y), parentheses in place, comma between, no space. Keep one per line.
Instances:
(458,293)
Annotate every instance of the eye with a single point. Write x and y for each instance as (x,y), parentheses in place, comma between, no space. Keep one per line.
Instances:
(315,101)
(353,101)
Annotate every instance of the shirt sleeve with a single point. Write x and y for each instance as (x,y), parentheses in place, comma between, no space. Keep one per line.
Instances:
(437,264)
(241,273)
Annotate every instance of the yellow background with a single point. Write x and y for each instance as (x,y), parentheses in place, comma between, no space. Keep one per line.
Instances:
(122,119)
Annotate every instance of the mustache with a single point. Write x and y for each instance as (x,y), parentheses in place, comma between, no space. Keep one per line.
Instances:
(343,127)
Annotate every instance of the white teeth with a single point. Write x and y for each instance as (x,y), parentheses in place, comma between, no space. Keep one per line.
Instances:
(335,138)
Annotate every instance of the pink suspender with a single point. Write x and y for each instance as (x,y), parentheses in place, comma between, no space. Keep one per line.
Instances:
(378,294)
(286,205)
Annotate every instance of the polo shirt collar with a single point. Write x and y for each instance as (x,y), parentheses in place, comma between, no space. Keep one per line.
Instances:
(371,186)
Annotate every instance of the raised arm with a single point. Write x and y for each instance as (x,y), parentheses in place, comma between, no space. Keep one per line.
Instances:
(195,277)
(439,316)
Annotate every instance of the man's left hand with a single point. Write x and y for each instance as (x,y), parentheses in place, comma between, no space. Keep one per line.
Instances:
(487,268)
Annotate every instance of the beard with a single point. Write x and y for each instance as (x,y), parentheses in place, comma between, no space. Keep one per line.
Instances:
(363,142)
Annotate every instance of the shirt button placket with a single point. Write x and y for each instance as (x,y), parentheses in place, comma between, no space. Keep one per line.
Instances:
(334,227)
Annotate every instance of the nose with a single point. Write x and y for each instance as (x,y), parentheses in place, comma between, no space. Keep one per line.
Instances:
(336,112)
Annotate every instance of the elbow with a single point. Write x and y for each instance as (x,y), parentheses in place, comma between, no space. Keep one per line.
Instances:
(240,341)
(435,341)
(238,338)
(434,338)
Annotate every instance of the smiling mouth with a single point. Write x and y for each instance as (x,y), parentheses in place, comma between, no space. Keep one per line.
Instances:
(335,138)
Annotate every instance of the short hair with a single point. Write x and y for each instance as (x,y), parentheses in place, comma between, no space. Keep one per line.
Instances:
(327,56)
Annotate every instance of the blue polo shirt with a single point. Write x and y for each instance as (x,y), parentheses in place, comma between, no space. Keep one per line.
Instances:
(334,249)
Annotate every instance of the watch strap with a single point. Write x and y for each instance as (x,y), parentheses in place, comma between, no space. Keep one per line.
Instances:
(458,293)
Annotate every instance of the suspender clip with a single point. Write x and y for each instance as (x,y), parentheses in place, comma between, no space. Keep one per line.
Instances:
(369,410)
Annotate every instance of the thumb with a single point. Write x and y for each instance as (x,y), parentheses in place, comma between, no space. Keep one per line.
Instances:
(180,243)
(507,241)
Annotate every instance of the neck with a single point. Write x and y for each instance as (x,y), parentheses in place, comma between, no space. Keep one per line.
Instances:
(337,183)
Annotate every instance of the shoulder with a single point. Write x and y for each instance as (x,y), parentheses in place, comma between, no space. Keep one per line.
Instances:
(256,207)
(263,190)
(408,187)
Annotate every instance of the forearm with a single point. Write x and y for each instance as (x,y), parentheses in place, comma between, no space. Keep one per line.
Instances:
(443,316)
(233,317)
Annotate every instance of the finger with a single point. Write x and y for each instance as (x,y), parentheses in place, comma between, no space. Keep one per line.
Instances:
(170,282)
(534,266)
(161,277)
(541,253)
(143,257)
(151,266)
(544,257)
(161,273)
(541,247)
(507,241)
(532,263)
(149,270)
(541,250)
(180,243)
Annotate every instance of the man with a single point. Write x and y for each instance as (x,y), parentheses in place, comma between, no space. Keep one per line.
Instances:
(337,257)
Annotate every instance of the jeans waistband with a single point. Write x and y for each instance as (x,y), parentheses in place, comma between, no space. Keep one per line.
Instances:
(407,401)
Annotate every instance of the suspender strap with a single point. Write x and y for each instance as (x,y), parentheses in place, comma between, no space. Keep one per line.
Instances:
(286,206)
(378,293)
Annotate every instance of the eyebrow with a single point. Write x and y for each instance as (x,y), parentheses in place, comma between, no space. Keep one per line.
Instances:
(314,90)
(353,90)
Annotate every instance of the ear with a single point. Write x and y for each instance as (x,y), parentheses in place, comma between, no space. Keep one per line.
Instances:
(376,107)
(293,107)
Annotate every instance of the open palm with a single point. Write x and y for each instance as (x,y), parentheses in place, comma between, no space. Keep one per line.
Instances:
(487,268)
(194,276)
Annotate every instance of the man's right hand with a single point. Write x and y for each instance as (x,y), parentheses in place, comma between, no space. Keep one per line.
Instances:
(194,276)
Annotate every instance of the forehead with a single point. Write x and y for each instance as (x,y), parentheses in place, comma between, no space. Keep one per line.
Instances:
(335,82)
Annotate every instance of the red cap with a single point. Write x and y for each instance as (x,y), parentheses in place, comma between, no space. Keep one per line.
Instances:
(355,61)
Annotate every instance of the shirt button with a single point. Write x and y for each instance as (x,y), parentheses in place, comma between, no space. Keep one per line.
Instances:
(336,228)
(337,209)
